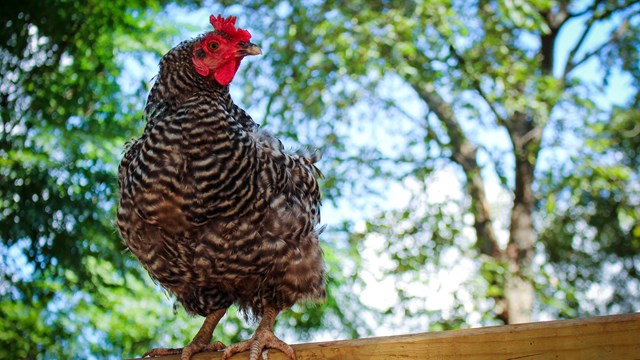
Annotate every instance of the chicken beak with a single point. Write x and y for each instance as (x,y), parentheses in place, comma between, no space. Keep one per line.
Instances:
(251,49)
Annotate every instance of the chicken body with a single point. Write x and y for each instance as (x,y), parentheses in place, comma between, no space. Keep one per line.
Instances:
(214,207)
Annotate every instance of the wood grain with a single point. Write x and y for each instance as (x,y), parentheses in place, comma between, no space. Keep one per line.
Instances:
(605,337)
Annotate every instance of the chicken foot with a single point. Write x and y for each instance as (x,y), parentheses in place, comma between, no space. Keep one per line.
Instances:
(200,343)
(261,339)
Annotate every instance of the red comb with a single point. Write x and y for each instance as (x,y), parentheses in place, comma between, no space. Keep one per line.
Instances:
(228,26)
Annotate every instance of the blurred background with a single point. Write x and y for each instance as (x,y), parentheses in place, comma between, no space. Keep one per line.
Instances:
(481,160)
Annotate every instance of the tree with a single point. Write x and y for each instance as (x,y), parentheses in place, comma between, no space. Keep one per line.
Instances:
(479,89)
(68,289)
(64,119)
(495,90)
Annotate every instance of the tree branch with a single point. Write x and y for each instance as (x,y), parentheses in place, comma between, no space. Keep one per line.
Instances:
(475,82)
(587,10)
(570,65)
(555,20)
(583,36)
(464,154)
(606,13)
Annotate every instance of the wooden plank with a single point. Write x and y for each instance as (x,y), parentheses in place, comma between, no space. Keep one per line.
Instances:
(605,337)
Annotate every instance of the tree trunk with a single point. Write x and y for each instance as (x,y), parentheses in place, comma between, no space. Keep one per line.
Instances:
(526,136)
(515,304)
(518,290)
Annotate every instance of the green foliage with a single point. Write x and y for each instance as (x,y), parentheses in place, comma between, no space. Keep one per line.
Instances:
(592,217)
(351,78)
(68,289)
(352,70)
(64,279)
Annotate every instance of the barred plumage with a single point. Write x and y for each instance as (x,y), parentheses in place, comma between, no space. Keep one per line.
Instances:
(214,207)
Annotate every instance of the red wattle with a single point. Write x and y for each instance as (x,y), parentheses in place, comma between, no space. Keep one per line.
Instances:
(226,72)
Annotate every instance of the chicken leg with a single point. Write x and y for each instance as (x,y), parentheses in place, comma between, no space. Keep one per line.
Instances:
(262,338)
(200,343)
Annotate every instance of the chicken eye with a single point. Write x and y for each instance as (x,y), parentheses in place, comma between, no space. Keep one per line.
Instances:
(213,46)
(242,43)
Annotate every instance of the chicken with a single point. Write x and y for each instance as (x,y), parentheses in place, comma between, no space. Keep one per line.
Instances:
(213,206)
